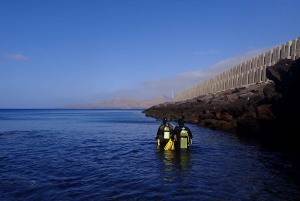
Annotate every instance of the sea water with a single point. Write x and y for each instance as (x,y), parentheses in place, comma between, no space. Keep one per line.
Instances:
(112,155)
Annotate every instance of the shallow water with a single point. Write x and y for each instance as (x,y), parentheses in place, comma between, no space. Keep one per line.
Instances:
(112,155)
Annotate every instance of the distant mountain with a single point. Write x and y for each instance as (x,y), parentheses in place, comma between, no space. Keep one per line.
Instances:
(120,103)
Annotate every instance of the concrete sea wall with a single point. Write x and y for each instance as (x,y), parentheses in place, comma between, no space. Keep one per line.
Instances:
(249,72)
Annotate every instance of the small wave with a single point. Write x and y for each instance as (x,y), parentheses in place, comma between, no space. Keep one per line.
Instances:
(16,133)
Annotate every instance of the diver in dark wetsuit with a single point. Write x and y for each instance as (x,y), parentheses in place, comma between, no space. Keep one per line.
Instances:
(164,132)
(182,136)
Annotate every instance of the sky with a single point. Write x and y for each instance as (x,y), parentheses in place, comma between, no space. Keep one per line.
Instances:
(59,52)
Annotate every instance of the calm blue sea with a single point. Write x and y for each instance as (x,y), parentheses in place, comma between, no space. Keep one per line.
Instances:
(112,155)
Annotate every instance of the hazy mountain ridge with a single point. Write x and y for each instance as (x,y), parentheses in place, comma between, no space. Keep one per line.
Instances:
(120,103)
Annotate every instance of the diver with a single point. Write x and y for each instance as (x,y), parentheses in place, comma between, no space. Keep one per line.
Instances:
(182,136)
(164,132)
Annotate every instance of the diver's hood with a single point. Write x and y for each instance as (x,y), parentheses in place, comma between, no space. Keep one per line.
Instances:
(180,122)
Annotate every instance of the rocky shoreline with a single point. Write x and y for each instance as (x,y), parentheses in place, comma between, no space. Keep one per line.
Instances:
(268,111)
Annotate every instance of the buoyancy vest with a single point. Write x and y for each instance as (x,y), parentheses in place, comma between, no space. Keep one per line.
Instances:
(184,138)
(167,132)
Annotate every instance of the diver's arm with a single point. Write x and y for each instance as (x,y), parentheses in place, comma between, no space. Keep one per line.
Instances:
(190,133)
(157,133)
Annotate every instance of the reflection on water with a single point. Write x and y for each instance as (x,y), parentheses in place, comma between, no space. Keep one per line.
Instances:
(174,164)
(180,160)
(169,159)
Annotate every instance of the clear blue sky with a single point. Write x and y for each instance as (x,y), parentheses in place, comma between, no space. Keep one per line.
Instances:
(58,52)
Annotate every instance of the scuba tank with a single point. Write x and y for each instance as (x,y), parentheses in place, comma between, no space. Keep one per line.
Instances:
(184,139)
(167,132)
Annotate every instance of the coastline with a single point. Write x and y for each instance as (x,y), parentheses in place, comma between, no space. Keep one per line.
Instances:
(267,111)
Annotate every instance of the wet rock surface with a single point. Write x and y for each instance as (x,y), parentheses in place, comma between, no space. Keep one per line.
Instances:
(268,111)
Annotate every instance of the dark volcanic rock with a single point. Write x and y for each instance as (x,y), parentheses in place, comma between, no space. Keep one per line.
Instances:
(268,110)
(271,96)
(280,74)
(247,125)
(231,97)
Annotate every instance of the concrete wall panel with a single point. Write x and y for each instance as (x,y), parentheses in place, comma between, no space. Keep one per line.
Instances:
(297,55)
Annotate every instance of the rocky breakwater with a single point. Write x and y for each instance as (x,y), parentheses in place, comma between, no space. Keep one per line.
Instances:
(269,111)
